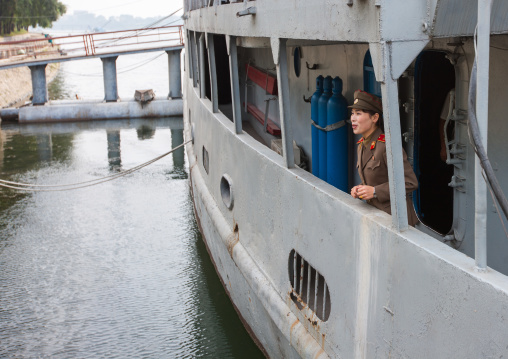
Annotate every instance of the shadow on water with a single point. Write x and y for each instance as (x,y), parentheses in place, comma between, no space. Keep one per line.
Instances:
(179,171)
(217,310)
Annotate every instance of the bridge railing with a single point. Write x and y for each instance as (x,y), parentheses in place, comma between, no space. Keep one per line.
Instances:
(92,43)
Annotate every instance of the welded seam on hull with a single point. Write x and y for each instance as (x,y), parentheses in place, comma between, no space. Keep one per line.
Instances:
(280,313)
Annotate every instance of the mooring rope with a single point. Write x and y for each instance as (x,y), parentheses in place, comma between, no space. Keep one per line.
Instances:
(71,186)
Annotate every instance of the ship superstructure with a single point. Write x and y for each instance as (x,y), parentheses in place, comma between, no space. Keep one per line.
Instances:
(312,271)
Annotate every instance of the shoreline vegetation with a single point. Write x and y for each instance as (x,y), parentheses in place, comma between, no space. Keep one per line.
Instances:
(20,14)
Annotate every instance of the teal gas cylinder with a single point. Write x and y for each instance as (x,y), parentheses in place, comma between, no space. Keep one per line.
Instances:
(337,138)
(322,119)
(314,110)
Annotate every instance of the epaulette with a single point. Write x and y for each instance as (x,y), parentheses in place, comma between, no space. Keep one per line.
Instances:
(361,140)
(381,138)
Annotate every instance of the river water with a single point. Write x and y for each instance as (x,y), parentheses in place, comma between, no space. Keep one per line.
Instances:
(117,270)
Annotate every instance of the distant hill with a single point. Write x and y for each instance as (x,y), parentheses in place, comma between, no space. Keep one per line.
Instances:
(85,21)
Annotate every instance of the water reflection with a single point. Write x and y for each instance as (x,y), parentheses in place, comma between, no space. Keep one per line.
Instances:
(179,171)
(23,155)
(116,270)
(145,132)
(114,154)
(215,303)
(44,147)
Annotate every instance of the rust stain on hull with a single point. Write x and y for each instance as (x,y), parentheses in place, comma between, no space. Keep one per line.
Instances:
(318,354)
(291,330)
(294,324)
(233,240)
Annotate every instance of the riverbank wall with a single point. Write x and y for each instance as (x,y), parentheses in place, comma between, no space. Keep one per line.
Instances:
(64,110)
(16,84)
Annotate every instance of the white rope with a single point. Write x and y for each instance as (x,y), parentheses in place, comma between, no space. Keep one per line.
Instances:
(56,188)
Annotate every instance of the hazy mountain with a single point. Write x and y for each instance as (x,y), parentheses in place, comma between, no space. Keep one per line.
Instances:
(85,21)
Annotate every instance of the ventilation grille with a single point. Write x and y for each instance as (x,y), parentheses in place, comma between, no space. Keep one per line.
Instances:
(309,286)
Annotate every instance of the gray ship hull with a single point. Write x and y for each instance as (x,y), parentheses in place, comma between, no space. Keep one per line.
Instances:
(312,271)
(392,294)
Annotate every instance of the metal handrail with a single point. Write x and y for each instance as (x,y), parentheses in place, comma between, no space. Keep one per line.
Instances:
(92,43)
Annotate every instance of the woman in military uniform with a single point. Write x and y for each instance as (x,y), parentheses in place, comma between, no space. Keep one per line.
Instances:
(366,119)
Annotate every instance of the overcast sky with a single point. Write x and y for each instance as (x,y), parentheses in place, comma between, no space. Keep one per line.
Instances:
(141,8)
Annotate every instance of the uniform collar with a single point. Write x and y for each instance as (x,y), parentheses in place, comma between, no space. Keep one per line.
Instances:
(370,141)
(366,140)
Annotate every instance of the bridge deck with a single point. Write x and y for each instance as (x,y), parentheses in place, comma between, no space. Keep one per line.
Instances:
(48,49)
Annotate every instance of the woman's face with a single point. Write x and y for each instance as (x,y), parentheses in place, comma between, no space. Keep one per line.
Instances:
(363,123)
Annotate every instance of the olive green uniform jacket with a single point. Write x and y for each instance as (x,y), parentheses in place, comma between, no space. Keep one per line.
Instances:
(373,170)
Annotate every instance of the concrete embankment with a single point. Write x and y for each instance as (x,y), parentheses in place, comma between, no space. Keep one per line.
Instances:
(16,84)
(58,111)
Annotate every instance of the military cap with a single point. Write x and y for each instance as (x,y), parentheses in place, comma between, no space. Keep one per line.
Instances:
(366,101)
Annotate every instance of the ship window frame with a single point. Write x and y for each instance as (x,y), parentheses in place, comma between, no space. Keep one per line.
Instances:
(226,191)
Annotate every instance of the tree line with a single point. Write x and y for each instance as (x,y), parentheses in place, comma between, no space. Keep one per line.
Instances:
(16,15)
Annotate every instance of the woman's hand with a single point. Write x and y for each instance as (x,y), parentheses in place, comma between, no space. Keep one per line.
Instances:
(354,191)
(362,192)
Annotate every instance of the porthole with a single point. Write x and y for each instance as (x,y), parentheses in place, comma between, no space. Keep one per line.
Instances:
(206,160)
(226,191)
(309,287)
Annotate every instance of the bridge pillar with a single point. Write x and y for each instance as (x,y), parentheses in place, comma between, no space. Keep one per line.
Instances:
(110,82)
(39,86)
(175,74)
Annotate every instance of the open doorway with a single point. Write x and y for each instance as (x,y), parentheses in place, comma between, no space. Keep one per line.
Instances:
(223,76)
(434,78)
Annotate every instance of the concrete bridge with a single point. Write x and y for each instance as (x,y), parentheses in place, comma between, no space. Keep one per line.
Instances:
(107,46)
